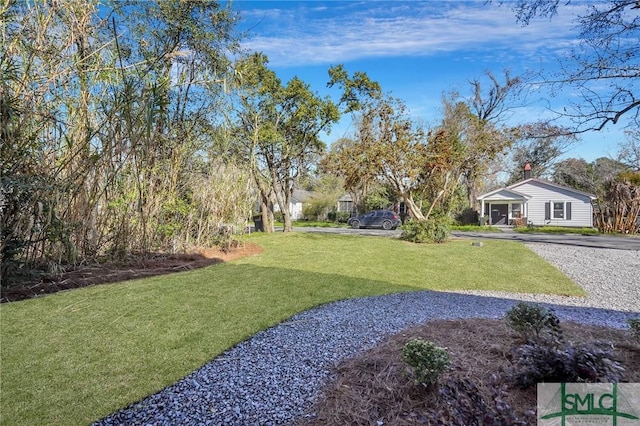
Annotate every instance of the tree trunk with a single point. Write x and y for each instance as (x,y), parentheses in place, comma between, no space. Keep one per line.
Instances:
(266,210)
(414,209)
(288,227)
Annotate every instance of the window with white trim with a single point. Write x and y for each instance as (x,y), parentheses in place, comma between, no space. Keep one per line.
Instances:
(516,211)
(558,210)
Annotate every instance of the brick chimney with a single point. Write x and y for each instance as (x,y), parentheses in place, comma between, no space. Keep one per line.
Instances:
(527,171)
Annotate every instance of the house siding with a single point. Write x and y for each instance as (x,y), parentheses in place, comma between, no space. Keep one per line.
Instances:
(581,208)
(296,209)
(296,205)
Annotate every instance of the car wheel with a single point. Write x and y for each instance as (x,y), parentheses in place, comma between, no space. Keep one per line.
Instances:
(355,224)
(386,225)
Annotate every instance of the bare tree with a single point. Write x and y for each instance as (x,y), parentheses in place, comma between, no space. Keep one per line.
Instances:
(492,104)
(629,153)
(604,67)
(489,106)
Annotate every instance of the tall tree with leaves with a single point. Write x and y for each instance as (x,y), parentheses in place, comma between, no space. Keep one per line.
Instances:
(539,144)
(615,185)
(395,149)
(460,150)
(588,177)
(416,164)
(388,145)
(359,92)
(280,126)
(575,173)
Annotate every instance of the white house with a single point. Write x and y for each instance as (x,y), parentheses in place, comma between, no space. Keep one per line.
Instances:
(298,199)
(538,202)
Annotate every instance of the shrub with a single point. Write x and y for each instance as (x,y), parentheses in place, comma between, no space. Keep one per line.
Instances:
(533,321)
(278,216)
(467,216)
(465,405)
(543,362)
(338,217)
(429,231)
(342,217)
(426,359)
(634,326)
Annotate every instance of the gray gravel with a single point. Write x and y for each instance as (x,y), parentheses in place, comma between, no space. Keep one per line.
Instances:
(610,277)
(273,378)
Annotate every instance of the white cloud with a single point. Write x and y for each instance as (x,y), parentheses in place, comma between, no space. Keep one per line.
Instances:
(343,31)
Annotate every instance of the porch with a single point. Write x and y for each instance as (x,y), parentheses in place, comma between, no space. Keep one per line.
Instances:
(504,207)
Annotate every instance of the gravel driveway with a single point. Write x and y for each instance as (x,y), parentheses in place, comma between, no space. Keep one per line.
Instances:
(610,277)
(273,377)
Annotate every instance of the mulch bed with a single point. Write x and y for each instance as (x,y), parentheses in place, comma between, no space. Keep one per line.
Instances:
(373,389)
(133,268)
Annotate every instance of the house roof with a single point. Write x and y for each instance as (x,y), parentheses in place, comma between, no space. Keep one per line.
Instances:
(516,194)
(551,184)
(301,195)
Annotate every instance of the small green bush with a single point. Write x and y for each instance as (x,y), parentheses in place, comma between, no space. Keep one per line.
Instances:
(533,321)
(338,217)
(634,327)
(342,217)
(544,362)
(426,359)
(429,231)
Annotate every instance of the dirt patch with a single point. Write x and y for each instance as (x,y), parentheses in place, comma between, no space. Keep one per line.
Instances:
(372,389)
(132,268)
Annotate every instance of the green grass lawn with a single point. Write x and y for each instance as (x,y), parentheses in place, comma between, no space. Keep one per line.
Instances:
(314,224)
(74,357)
(474,228)
(556,230)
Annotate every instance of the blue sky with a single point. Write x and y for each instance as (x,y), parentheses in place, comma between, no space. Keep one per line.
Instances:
(417,50)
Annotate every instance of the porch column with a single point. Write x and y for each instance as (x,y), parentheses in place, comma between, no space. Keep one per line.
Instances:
(482,209)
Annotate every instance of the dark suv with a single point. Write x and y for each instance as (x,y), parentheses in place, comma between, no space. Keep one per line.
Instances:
(384,219)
